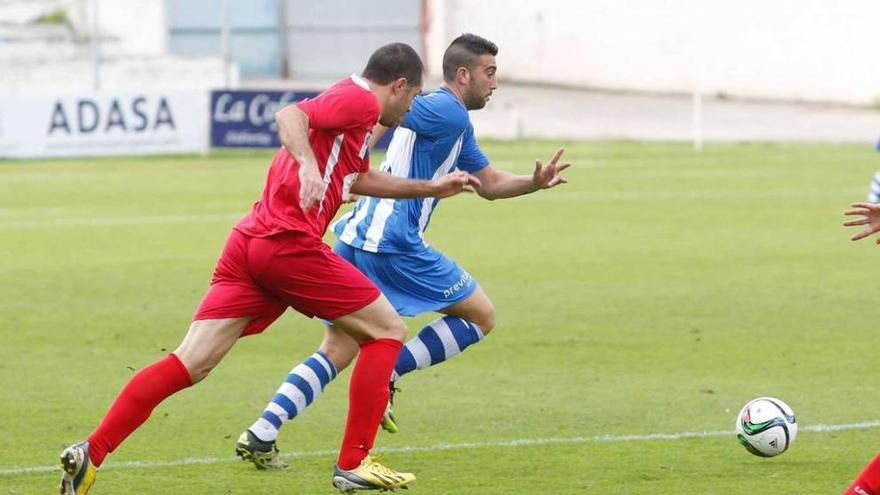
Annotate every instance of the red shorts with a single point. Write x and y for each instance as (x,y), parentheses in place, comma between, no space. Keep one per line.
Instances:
(260,277)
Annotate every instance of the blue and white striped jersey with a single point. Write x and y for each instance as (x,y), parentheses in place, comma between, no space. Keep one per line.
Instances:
(435,138)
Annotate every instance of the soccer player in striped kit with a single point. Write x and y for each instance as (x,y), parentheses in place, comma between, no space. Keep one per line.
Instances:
(384,238)
(868,481)
(275,258)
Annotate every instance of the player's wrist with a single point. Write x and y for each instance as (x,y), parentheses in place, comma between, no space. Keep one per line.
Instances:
(535,185)
(432,187)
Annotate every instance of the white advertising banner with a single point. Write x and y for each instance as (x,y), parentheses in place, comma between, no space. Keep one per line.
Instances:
(104,123)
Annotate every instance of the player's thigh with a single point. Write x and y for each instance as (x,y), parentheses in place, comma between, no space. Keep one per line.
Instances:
(233,292)
(419,282)
(477,308)
(339,347)
(374,321)
(309,277)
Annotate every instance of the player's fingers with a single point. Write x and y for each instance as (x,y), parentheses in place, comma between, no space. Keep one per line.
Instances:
(856,211)
(862,234)
(472,180)
(556,156)
(562,167)
(863,205)
(538,166)
(860,221)
(461,178)
(557,180)
(313,195)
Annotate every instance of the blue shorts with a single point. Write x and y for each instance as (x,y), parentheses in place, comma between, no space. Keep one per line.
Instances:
(415,283)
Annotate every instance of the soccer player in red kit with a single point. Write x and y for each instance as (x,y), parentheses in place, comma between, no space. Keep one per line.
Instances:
(868,481)
(275,258)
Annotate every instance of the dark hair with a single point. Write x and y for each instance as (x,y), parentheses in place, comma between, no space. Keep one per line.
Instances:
(463,52)
(391,62)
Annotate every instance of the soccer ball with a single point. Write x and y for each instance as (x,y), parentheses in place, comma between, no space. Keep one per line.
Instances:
(766,427)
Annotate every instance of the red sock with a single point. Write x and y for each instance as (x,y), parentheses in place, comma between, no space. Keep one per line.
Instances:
(868,482)
(137,400)
(367,397)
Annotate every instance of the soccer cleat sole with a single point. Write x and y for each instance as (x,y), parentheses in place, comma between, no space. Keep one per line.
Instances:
(68,462)
(347,486)
(70,466)
(247,456)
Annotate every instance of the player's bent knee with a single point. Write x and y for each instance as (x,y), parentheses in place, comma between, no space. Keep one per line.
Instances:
(486,319)
(199,374)
(205,344)
(487,324)
(198,368)
(341,354)
(395,329)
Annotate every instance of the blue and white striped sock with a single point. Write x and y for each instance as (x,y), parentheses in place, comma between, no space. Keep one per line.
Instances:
(874,191)
(303,385)
(437,342)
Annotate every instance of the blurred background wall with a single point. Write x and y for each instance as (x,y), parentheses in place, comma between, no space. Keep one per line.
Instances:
(711,70)
(782,49)
(811,50)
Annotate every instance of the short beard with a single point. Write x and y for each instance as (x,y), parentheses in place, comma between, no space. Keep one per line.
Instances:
(474,101)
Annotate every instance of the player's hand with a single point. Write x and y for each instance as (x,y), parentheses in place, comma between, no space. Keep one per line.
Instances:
(453,184)
(870,214)
(348,197)
(311,187)
(549,175)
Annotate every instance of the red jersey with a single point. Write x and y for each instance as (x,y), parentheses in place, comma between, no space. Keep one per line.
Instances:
(340,123)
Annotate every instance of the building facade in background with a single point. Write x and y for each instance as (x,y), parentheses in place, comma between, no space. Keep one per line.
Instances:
(299,39)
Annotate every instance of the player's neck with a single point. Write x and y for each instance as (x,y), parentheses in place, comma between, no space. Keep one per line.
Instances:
(456,91)
(382,91)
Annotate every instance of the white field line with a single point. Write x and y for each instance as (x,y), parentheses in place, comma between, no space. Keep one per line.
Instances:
(521,442)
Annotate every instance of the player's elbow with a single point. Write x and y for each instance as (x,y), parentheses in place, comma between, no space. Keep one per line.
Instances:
(288,118)
(487,193)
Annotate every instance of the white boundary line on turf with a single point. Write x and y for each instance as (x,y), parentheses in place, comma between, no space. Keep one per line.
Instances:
(521,442)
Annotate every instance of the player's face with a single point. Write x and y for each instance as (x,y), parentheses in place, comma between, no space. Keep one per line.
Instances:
(482,82)
(398,104)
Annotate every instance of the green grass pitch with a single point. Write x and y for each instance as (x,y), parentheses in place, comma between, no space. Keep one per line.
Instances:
(656,292)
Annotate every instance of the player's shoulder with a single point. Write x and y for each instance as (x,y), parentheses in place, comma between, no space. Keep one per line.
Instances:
(355,91)
(444,105)
(355,87)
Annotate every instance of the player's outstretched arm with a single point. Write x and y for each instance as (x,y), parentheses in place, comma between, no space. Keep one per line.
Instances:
(870,214)
(384,185)
(293,131)
(499,184)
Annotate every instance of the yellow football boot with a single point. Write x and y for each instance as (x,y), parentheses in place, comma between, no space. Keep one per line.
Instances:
(370,475)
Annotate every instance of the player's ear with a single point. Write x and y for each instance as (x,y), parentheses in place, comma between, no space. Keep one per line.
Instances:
(463,75)
(400,86)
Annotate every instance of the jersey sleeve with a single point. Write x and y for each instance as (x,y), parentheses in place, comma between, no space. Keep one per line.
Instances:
(471,159)
(341,110)
(428,117)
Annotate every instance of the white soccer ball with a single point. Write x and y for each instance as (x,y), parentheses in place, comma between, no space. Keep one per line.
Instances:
(766,427)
